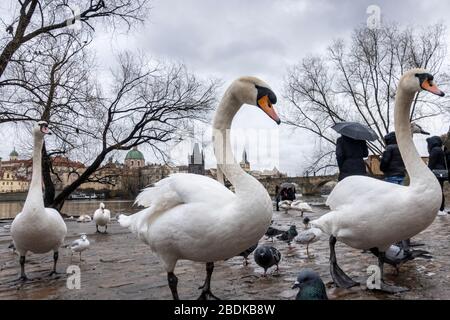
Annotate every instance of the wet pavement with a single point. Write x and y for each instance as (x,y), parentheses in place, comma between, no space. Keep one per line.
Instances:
(118,266)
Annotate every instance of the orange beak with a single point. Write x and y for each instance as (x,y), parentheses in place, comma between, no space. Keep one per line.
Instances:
(266,106)
(431,87)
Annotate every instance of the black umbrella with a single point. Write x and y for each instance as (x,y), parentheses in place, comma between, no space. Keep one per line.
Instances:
(287,185)
(355,131)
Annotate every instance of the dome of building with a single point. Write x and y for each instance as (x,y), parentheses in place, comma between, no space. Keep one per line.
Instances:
(14,153)
(134,154)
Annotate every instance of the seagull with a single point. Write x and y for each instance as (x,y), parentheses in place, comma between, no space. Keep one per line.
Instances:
(310,286)
(267,257)
(247,252)
(309,235)
(79,245)
(289,235)
(12,247)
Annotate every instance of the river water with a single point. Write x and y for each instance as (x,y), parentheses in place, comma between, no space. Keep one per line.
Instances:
(10,209)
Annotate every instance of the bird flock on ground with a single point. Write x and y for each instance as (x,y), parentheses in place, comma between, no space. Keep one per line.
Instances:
(178,209)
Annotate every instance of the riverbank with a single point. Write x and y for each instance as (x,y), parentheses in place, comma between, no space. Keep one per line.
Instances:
(118,266)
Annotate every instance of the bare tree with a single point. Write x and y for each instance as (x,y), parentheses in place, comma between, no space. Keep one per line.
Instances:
(145,106)
(35,18)
(358,83)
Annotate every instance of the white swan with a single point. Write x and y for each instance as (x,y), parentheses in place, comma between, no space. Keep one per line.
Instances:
(285,205)
(102,217)
(301,206)
(84,218)
(36,228)
(368,213)
(196,218)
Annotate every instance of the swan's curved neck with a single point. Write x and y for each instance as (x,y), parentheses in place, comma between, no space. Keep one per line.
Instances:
(417,169)
(35,197)
(226,163)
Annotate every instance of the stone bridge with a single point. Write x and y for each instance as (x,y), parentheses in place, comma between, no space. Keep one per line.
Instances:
(307,185)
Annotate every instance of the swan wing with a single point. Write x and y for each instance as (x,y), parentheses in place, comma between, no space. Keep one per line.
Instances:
(184,188)
(359,189)
(175,190)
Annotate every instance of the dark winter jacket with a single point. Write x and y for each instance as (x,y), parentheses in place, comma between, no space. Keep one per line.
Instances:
(391,162)
(437,156)
(350,156)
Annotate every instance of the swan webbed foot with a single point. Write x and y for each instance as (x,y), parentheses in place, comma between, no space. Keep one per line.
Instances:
(207,295)
(340,278)
(206,287)
(387,288)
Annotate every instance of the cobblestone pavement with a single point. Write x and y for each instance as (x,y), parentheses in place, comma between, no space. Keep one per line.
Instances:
(118,266)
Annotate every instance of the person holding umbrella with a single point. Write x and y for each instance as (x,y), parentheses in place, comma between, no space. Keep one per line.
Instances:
(351,148)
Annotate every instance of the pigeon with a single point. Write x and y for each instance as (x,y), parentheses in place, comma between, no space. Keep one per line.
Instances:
(79,245)
(267,257)
(289,235)
(310,286)
(309,235)
(272,232)
(247,252)
(397,256)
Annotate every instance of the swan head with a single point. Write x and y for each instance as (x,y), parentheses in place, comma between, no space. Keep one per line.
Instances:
(102,205)
(255,92)
(41,128)
(419,79)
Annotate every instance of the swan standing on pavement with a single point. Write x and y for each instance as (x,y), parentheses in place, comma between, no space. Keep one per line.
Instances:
(193,217)
(301,206)
(36,228)
(371,214)
(102,217)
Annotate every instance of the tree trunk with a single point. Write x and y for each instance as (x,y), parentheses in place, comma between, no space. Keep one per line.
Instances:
(49,187)
(58,202)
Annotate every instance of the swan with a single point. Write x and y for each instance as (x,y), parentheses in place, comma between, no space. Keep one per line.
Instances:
(367,213)
(84,218)
(193,217)
(301,206)
(285,205)
(102,217)
(36,228)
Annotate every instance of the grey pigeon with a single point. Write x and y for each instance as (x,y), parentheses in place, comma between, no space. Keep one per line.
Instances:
(272,232)
(267,257)
(288,235)
(310,286)
(397,256)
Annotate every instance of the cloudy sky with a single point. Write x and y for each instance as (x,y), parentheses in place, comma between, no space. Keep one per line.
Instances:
(228,39)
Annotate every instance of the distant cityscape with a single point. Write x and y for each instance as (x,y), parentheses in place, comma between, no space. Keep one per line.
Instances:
(114,178)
